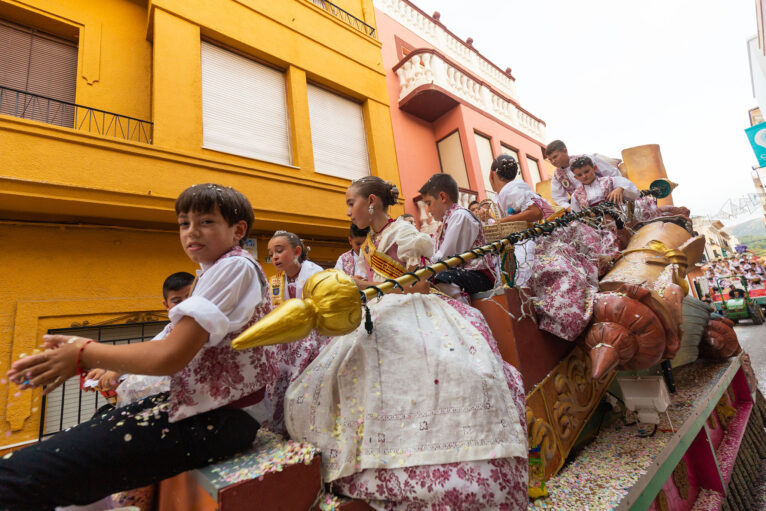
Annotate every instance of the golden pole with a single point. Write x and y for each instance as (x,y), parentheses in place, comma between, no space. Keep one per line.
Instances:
(332,304)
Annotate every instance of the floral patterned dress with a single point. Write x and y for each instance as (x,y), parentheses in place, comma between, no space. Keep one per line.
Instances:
(565,275)
(421,414)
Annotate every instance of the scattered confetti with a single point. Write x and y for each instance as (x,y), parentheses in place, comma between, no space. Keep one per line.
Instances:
(270,453)
(607,468)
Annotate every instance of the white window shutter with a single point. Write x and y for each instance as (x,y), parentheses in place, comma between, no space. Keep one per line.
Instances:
(244,107)
(338,135)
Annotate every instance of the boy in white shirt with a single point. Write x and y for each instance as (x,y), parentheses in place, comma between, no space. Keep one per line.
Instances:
(563,183)
(593,190)
(348,261)
(206,415)
(175,290)
(459,232)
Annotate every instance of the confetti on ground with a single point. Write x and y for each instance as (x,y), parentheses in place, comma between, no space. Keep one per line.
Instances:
(270,453)
(708,500)
(605,470)
(330,502)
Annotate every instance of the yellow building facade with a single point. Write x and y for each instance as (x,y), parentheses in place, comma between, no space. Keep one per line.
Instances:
(87,230)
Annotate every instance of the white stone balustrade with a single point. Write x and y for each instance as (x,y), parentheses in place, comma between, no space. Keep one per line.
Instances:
(451,46)
(428,224)
(426,67)
(465,198)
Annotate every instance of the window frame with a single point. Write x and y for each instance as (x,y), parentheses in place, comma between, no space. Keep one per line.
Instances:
(462,152)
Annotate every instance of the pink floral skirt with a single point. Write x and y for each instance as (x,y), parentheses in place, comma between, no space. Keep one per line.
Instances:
(499,484)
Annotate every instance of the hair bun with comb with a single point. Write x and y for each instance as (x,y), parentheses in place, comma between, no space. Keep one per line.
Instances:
(393,194)
(506,167)
(386,191)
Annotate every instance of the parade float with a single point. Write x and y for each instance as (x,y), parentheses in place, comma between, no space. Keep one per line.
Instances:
(652,405)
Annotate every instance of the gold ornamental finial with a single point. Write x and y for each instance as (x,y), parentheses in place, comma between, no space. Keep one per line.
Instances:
(331,304)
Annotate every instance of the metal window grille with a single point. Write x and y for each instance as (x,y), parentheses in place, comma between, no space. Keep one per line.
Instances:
(346,16)
(68,406)
(18,103)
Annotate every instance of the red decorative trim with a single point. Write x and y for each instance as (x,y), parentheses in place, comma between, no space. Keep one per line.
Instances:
(469,74)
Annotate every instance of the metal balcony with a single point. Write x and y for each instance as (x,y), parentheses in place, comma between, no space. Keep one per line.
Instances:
(26,105)
(346,17)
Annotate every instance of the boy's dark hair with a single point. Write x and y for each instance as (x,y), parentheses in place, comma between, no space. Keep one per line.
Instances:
(356,232)
(386,191)
(176,282)
(474,202)
(295,241)
(580,162)
(506,167)
(438,183)
(205,197)
(556,145)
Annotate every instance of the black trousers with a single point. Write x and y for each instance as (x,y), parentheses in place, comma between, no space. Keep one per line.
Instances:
(119,450)
(470,281)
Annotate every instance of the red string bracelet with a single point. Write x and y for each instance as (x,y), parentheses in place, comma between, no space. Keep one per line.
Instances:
(79,356)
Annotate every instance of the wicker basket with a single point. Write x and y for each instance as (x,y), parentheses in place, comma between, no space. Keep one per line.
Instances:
(498,231)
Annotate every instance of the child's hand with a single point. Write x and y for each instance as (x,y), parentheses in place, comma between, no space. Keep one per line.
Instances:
(615,196)
(109,380)
(51,367)
(362,283)
(95,374)
(421,286)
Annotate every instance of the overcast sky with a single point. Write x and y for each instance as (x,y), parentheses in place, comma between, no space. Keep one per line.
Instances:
(605,75)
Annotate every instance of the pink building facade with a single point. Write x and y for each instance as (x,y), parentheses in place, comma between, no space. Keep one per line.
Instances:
(452,110)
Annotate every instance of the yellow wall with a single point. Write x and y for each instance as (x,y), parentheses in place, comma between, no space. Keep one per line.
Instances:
(142,59)
(64,274)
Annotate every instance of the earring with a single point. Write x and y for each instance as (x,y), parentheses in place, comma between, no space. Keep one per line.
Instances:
(371,210)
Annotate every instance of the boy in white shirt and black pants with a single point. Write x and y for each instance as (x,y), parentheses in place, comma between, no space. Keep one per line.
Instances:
(460,232)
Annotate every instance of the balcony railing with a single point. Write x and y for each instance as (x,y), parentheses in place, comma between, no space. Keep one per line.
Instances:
(35,107)
(429,70)
(346,16)
(438,36)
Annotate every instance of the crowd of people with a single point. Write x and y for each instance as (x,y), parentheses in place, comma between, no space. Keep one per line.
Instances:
(726,276)
(424,413)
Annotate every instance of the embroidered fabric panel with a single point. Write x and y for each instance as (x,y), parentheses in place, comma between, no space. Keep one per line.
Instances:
(565,277)
(353,403)
(219,375)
